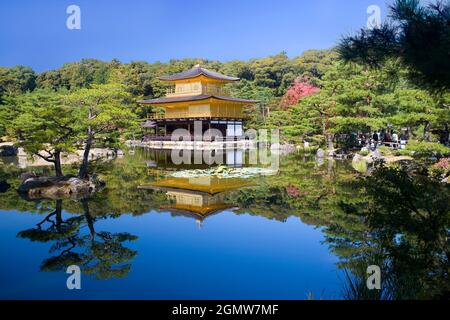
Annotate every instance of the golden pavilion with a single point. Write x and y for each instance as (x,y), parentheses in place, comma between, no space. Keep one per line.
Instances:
(197,94)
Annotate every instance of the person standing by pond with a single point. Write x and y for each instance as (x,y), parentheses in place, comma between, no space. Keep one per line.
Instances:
(403,140)
(387,137)
(375,140)
(394,137)
(382,136)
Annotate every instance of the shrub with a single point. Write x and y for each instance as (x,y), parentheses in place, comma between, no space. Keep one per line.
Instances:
(427,149)
(385,150)
(364,152)
(441,168)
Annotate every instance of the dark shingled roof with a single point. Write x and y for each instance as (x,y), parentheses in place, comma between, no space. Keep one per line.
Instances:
(195,72)
(193,98)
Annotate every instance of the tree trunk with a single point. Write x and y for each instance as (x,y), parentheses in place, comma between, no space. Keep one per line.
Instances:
(58,211)
(426,131)
(446,138)
(83,172)
(89,219)
(330,167)
(330,145)
(58,170)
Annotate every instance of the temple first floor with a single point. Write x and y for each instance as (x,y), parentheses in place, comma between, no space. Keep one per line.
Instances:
(207,129)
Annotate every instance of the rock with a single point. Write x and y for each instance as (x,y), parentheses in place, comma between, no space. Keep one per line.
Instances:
(21,153)
(320,153)
(392,159)
(34,183)
(56,187)
(96,182)
(320,161)
(359,163)
(220,169)
(376,154)
(27,175)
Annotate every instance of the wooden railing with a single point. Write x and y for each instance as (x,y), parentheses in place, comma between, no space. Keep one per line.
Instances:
(154,116)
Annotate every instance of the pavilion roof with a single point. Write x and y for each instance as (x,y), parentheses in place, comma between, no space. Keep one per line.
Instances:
(194,98)
(149,124)
(195,72)
(187,185)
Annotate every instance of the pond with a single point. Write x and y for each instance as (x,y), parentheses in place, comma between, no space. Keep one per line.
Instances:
(152,235)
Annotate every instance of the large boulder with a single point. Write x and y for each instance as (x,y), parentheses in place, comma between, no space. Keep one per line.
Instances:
(376,155)
(27,175)
(360,163)
(56,187)
(320,153)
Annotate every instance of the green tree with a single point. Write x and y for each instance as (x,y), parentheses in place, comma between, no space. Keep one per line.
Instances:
(43,125)
(99,113)
(356,99)
(76,75)
(249,90)
(417,35)
(136,76)
(16,80)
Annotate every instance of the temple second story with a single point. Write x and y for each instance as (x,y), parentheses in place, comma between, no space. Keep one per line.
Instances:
(197,81)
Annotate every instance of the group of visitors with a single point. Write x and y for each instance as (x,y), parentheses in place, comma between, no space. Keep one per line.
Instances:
(384,138)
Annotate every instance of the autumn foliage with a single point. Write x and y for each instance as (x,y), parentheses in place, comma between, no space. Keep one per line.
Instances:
(300,88)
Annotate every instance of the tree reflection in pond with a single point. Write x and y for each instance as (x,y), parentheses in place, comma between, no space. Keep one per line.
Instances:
(98,253)
(396,218)
(405,231)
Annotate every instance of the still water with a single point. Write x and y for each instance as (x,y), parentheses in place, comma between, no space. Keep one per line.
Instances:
(149,235)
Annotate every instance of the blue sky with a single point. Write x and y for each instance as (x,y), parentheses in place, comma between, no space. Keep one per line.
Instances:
(34,33)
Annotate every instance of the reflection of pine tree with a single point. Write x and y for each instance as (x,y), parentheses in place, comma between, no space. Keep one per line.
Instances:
(403,228)
(396,219)
(98,253)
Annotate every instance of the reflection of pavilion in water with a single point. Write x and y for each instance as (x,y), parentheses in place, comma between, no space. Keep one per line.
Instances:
(198,197)
(162,159)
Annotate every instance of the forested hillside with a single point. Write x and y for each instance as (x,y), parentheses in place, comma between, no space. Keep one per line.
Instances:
(311,97)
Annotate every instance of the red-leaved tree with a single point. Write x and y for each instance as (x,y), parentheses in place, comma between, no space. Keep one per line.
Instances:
(299,88)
